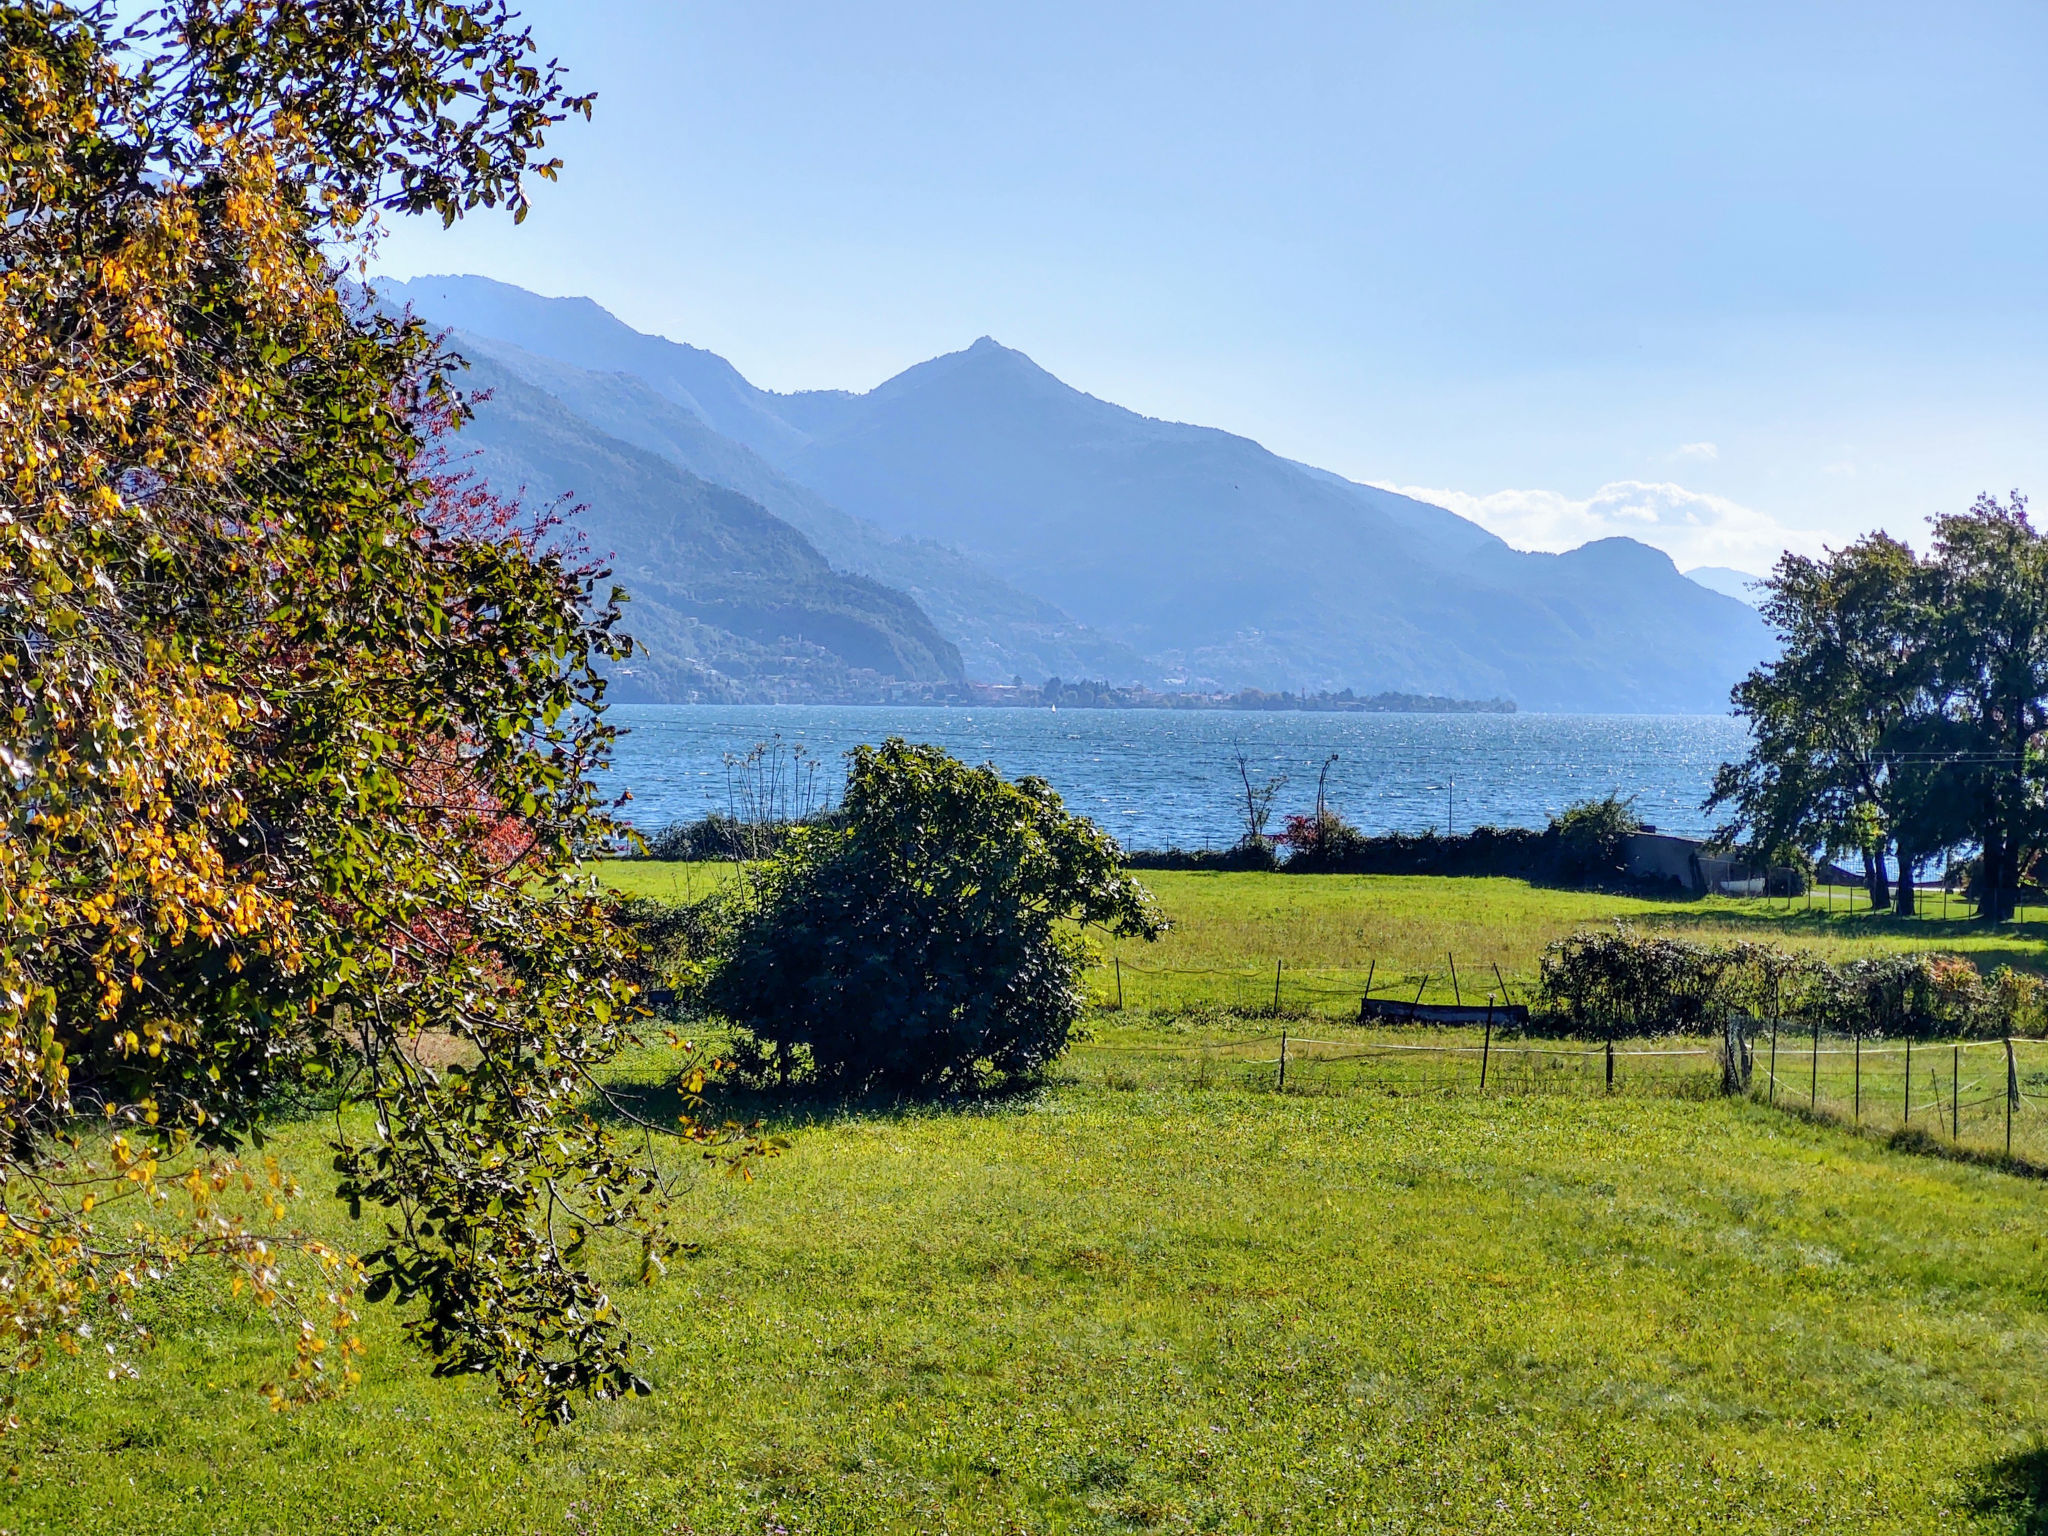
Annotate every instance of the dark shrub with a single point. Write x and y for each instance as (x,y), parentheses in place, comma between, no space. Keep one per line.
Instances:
(926,941)
(1590,835)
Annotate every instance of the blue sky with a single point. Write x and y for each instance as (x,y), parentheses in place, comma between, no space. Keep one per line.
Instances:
(1727,277)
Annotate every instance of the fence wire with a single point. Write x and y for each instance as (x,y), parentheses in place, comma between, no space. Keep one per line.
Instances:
(1984,1096)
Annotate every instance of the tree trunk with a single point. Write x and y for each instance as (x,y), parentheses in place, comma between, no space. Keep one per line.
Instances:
(1907,898)
(1997,879)
(1876,881)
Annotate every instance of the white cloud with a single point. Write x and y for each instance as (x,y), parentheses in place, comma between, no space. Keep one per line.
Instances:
(1699,451)
(1694,528)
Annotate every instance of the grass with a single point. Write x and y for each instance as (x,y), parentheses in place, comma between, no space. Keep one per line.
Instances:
(1158,1296)
(1330,931)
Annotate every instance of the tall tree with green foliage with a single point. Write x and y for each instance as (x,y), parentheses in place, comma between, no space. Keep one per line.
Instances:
(1842,722)
(1907,706)
(299,732)
(1991,578)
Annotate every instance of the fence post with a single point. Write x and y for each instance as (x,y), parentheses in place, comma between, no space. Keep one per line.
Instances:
(1501,983)
(1276,988)
(1955,1097)
(1859,1077)
(1486,1047)
(1772,1095)
(1456,996)
(1610,1066)
(1372,966)
(1813,1087)
(1119,982)
(2012,1092)
(1909,1079)
(1281,1085)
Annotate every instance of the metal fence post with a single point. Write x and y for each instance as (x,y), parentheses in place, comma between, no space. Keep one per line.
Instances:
(1610,1066)
(1813,1087)
(1859,1077)
(1772,1096)
(1276,988)
(1909,1079)
(1281,1085)
(1119,983)
(1955,1097)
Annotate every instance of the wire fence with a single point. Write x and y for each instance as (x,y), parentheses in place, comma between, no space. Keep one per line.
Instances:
(1446,1061)
(1987,1097)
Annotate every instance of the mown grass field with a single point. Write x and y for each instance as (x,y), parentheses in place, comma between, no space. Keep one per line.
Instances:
(1150,1298)
(1329,933)
(1158,1294)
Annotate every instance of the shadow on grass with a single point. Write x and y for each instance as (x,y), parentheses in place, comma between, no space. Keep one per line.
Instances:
(2015,1487)
(1915,1141)
(781,1111)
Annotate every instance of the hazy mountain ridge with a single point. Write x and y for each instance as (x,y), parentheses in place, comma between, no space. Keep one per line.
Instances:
(1220,561)
(731,603)
(1000,631)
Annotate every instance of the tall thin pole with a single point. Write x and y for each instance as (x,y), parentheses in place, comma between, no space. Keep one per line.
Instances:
(1276,989)
(1486,1055)
(1773,1095)
(1859,1077)
(1813,1088)
(1909,1079)
(1955,1098)
(1119,982)
(1451,807)
(1371,966)
(1456,996)
(2012,1092)
(1281,1085)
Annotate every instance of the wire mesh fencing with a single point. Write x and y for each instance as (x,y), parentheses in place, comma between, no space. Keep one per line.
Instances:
(1438,1061)
(1985,1096)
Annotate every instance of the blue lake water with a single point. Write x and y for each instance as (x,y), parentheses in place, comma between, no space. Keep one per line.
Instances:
(1161,778)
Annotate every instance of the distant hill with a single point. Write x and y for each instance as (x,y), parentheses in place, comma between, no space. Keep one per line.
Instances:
(1739,585)
(1214,560)
(1000,632)
(731,603)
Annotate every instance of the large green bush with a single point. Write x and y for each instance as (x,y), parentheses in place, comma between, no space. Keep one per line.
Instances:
(1617,982)
(931,940)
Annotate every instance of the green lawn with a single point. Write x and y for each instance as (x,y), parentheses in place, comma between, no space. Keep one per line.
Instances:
(1330,932)
(1161,1296)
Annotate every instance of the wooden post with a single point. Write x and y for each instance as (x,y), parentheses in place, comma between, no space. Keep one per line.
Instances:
(1610,1066)
(1276,989)
(1955,1097)
(1119,983)
(1909,1079)
(1281,1085)
(1456,996)
(1859,1077)
(1813,1087)
(2012,1092)
(1772,1095)
(1486,1048)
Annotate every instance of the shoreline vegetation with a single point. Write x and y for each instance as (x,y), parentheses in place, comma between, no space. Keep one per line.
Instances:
(1056,693)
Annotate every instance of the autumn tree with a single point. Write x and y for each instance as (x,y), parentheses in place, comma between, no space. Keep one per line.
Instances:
(298,751)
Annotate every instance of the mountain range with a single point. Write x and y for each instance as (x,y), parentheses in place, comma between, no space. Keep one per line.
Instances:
(976,517)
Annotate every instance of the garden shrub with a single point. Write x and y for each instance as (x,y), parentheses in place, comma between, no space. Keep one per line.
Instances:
(1609,983)
(929,940)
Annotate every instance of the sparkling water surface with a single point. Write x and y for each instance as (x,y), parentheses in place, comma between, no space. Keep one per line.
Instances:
(1168,778)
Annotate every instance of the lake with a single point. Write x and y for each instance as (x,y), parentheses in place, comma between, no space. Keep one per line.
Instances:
(1168,778)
